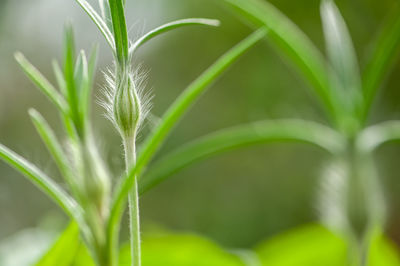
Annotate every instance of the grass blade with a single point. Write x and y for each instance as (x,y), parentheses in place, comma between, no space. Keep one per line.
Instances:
(41,82)
(374,136)
(41,180)
(171,117)
(69,75)
(240,137)
(81,73)
(55,149)
(383,58)
(345,76)
(120,31)
(106,13)
(101,25)
(170,26)
(293,42)
(86,93)
(59,77)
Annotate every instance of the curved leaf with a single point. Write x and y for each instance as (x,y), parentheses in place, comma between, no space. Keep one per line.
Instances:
(238,137)
(170,26)
(292,42)
(374,136)
(101,25)
(40,179)
(41,82)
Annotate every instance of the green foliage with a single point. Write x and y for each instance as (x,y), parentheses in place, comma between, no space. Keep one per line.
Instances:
(180,250)
(314,245)
(64,250)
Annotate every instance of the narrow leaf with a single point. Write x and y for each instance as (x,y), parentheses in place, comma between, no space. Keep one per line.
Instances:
(55,148)
(41,82)
(40,179)
(83,84)
(101,25)
(293,43)
(69,75)
(345,76)
(385,54)
(374,136)
(85,95)
(106,13)
(59,77)
(80,73)
(240,137)
(170,26)
(120,31)
(171,117)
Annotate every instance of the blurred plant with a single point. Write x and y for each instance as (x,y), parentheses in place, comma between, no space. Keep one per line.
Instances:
(92,201)
(351,198)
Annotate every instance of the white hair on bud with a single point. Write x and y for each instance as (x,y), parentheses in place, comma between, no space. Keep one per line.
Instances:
(139,78)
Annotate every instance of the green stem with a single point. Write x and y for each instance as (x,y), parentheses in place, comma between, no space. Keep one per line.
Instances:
(133,201)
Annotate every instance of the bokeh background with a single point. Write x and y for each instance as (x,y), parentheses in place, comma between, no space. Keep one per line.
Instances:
(237,199)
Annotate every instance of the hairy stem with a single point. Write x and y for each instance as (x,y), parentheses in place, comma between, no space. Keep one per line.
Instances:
(133,201)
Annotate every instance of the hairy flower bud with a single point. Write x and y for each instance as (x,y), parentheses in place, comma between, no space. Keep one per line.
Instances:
(126,107)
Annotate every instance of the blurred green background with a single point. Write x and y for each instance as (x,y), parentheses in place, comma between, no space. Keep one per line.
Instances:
(237,199)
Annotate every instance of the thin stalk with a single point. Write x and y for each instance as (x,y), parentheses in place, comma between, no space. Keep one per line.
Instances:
(133,201)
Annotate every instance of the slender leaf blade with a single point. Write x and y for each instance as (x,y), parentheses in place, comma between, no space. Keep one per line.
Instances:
(170,26)
(374,136)
(41,82)
(288,38)
(345,76)
(59,77)
(85,95)
(106,13)
(55,148)
(240,137)
(171,117)
(101,25)
(41,180)
(69,75)
(120,30)
(382,59)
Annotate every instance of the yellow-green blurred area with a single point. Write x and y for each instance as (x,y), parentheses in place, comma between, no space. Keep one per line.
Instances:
(241,200)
